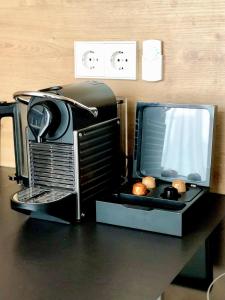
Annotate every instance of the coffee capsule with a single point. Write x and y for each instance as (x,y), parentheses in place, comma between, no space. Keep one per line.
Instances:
(170,193)
(149,182)
(139,189)
(179,185)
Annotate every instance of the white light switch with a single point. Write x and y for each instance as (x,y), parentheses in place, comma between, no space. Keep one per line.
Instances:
(152,60)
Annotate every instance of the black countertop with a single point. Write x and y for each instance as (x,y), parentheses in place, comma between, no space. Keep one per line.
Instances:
(40,260)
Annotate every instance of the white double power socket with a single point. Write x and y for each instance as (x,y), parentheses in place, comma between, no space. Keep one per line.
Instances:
(109,60)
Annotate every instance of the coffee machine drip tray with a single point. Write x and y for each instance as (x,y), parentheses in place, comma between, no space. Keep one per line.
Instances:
(39,195)
(57,205)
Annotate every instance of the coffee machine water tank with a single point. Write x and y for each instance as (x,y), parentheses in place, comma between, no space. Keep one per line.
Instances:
(18,112)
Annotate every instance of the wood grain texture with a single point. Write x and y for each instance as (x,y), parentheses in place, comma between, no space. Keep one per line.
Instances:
(36,51)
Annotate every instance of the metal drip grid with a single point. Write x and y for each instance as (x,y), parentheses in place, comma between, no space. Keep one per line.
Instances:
(39,195)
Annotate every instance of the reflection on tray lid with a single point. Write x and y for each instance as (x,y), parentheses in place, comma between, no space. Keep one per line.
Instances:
(174,141)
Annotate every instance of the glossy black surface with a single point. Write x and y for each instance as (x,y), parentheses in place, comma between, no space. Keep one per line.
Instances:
(170,193)
(44,260)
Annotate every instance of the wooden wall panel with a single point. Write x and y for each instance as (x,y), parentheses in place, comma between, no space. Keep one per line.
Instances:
(36,51)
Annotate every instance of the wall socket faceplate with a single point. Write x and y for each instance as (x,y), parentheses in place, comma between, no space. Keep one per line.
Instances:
(89,60)
(109,60)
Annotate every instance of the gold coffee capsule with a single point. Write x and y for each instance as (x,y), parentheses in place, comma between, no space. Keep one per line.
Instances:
(179,185)
(139,189)
(149,182)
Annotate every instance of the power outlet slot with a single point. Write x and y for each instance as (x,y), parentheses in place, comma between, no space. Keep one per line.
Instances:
(108,60)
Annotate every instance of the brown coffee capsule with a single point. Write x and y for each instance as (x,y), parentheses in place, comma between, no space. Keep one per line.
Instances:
(179,185)
(149,182)
(139,189)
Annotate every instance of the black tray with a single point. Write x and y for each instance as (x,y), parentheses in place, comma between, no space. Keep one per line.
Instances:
(154,199)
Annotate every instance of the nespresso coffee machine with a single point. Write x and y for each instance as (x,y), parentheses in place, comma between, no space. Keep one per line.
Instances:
(173,145)
(72,149)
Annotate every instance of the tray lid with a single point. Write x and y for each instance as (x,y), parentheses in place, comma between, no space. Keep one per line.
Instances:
(174,141)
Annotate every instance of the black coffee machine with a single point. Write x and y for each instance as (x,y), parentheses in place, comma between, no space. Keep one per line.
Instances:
(72,141)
